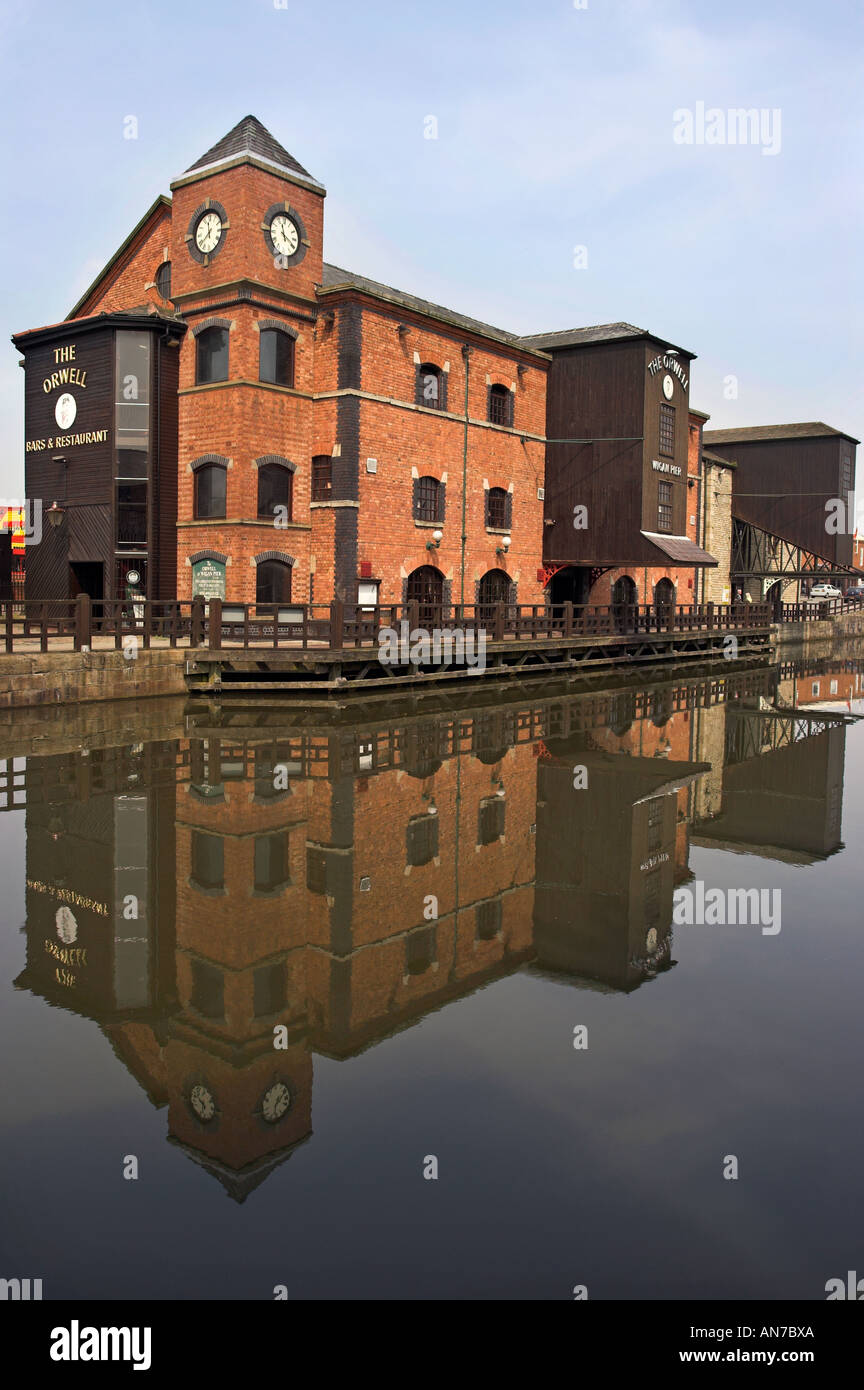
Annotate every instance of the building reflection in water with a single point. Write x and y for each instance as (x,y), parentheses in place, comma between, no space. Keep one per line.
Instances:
(254,881)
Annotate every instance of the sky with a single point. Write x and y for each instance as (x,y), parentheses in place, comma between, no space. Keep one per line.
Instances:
(539,165)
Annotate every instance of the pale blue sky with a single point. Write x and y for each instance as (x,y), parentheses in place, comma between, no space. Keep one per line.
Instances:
(555,130)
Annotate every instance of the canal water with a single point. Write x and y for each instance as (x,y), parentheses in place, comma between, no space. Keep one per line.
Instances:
(452,1001)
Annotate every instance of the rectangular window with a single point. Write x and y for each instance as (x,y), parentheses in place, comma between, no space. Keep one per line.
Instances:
(488,920)
(211,491)
(208,990)
(427,506)
(132,400)
(421,839)
(497,508)
(131,513)
(655,823)
(276,357)
(271,868)
(269,991)
(667,430)
(208,860)
(490,825)
(367,594)
(420,948)
(500,406)
(322,479)
(664,507)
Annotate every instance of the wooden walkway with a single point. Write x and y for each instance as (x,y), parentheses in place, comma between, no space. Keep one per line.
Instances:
(304,647)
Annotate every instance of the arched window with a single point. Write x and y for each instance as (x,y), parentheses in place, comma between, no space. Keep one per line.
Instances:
(211,356)
(425,587)
(494,588)
(431,387)
(273,582)
(500,410)
(428,500)
(163,280)
(498,508)
(276,357)
(210,491)
(275,490)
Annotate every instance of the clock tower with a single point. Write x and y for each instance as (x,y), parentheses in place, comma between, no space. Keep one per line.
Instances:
(247,234)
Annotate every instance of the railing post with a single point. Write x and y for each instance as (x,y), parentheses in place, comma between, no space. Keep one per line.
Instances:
(337,624)
(10,625)
(196,633)
(83,622)
(568,618)
(214,624)
(413,615)
(498,622)
(710,611)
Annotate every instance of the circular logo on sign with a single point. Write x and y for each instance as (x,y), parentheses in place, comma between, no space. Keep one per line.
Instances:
(65,411)
(132,576)
(67,927)
(668,387)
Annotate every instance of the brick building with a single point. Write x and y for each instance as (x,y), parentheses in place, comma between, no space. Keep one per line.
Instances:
(225,413)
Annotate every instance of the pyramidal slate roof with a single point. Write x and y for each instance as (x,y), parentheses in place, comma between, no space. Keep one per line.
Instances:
(250,137)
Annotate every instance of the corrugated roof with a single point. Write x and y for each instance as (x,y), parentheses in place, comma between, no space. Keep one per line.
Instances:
(249,136)
(812,429)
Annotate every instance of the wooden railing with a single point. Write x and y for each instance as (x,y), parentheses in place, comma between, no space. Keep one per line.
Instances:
(812,609)
(53,624)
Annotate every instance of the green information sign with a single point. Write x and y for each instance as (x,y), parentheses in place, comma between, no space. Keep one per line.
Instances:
(208,578)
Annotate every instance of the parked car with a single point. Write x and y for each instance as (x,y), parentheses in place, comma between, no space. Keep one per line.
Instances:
(825,591)
(855,594)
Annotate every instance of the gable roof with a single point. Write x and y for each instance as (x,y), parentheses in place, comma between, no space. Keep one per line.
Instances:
(599,333)
(156,209)
(334,277)
(250,137)
(812,429)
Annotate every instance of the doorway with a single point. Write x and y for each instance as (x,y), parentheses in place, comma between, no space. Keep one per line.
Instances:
(87,577)
(570,585)
(624,603)
(494,588)
(426,588)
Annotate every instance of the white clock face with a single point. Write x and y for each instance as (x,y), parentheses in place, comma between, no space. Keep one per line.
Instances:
(202,1103)
(208,232)
(65,410)
(276,1102)
(284,235)
(668,387)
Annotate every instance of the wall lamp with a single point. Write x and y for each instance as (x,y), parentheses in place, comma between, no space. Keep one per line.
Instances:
(55,514)
(437,538)
(504,546)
